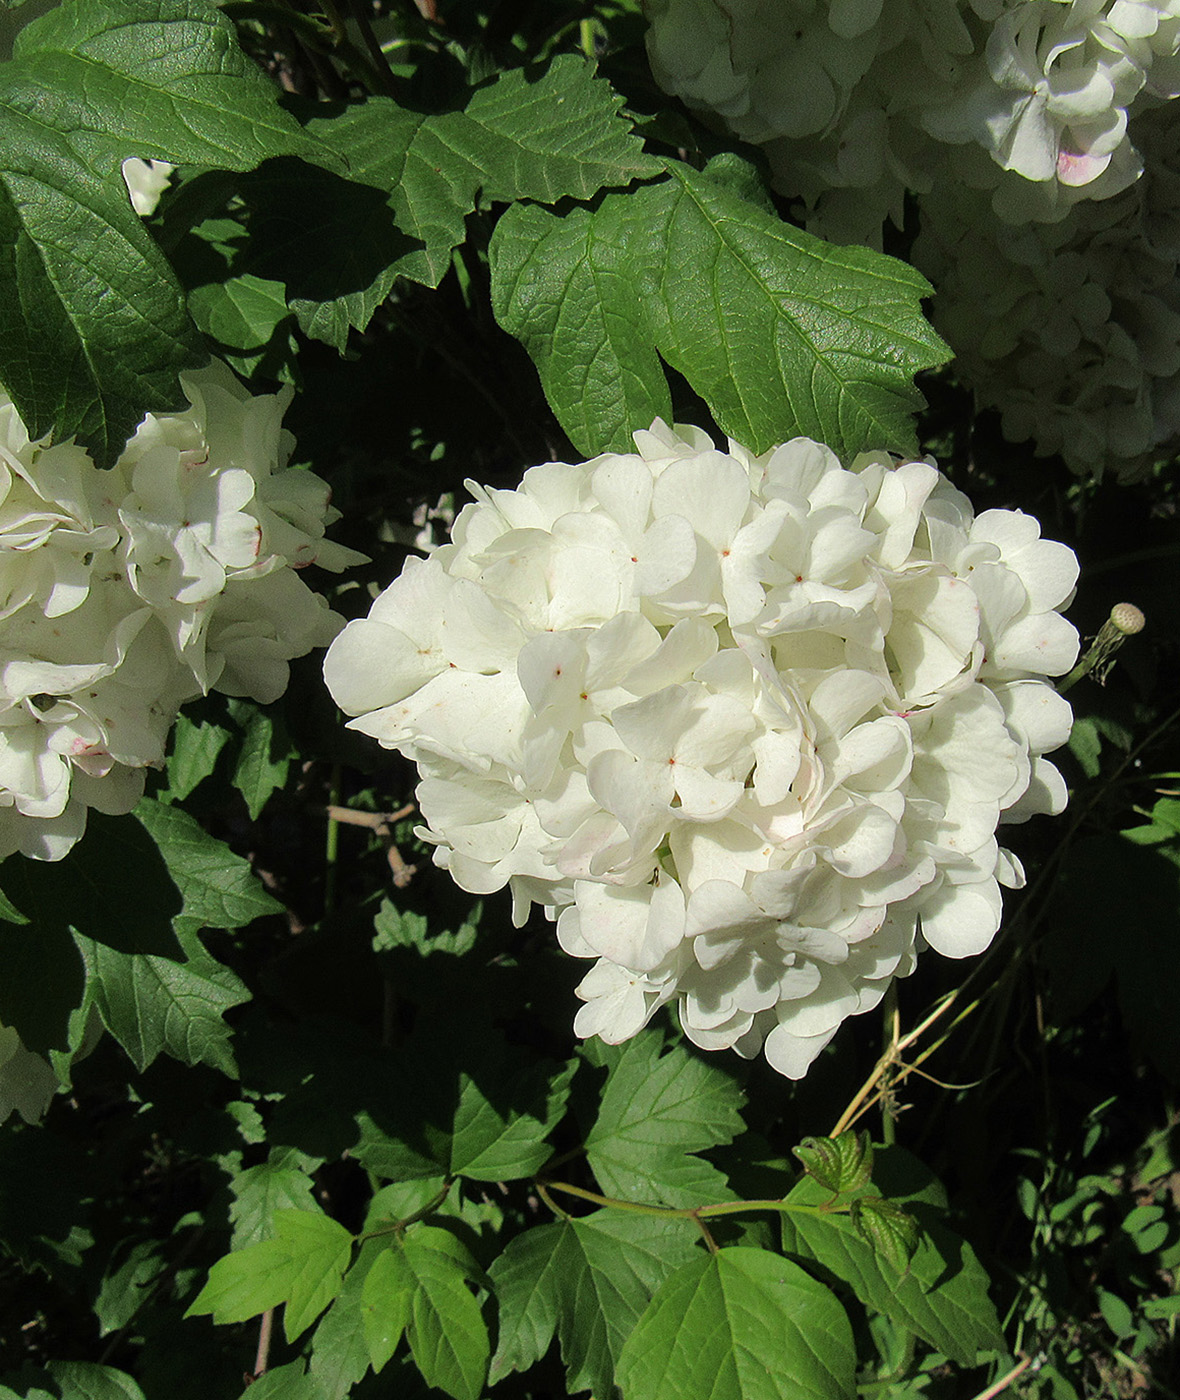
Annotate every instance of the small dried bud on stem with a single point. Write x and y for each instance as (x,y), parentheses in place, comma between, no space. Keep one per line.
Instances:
(1125,621)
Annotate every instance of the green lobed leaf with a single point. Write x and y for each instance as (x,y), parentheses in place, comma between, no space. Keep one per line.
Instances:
(280,1183)
(249,319)
(152,1004)
(86,1380)
(93,326)
(263,760)
(403,928)
(340,1353)
(125,1284)
(219,888)
(494,1143)
(446,1331)
(889,1229)
(588,1281)
(781,334)
(114,888)
(289,1382)
(522,135)
(467,1104)
(942,1297)
(9,912)
(657,1109)
(385,1305)
(193,757)
(302,1266)
(741,1324)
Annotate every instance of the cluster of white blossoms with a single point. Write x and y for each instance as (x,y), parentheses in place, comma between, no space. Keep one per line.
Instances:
(1071,330)
(1031,139)
(859,101)
(124,593)
(744,726)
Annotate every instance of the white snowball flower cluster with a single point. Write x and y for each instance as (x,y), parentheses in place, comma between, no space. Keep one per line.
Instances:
(859,101)
(1071,330)
(124,593)
(1032,139)
(745,726)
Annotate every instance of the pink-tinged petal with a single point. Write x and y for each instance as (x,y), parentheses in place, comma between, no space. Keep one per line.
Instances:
(616,1005)
(722,1037)
(862,842)
(1002,597)
(897,510)
(1050,575)
(636,927)
(1045,644)
(1035,712)
(569,934)
(637,792)
(704,797)
(820,1011)
(474,720)
(841,700)
(474,633)
(1009,871)
(617,647)
(876,756)
(1009,530)
(623,486)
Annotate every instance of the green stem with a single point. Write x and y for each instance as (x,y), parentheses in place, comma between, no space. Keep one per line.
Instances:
(332,842)
(892,1029)
(551,1203)
(697,1213)
(396,1227)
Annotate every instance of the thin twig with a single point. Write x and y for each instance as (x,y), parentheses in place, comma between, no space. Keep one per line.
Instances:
(375,821)
(381,825)
(997,1387)
(265,1328)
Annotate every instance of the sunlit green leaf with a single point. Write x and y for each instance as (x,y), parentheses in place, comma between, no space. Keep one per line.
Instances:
(657,1110)
(302,1266)
(781,334)
(588,1281)
(93,326)
(742,1324)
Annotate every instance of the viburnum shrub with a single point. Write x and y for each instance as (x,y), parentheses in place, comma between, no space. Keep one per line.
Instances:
(743,725)
(365,945)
